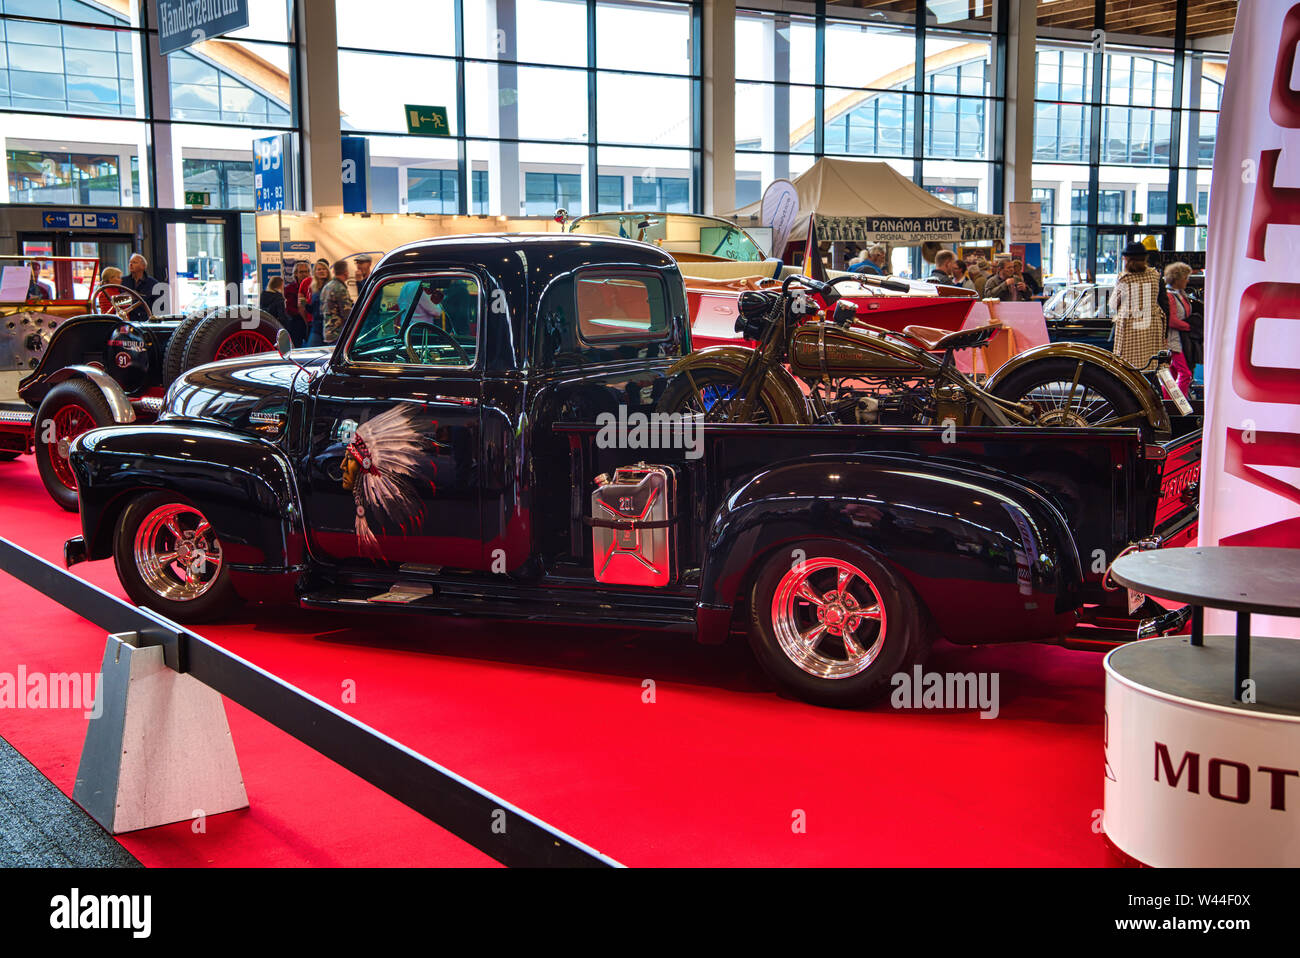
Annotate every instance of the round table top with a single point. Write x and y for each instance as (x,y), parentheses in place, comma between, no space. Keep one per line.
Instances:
(1241,579)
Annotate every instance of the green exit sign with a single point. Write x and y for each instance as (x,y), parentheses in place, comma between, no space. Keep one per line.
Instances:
(198,199)
(1185,215)
(427,120)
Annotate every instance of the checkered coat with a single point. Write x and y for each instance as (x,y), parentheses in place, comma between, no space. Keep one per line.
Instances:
(1141,328)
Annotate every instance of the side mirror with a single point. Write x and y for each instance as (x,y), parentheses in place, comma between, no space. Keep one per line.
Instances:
(283,343)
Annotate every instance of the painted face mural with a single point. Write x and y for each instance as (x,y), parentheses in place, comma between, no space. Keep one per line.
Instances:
(386,466)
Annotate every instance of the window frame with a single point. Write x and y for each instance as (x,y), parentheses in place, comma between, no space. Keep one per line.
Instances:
(625,272)
(343,354)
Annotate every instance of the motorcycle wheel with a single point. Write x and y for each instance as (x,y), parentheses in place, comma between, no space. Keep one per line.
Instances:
(715,385)
(1098,398)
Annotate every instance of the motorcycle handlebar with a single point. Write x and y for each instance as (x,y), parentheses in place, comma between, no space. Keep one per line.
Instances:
(884,282)
(827,290)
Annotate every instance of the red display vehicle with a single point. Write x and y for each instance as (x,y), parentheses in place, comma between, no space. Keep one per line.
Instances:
(719,261)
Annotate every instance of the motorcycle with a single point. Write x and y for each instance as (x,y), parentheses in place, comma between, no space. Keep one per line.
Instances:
(852,372)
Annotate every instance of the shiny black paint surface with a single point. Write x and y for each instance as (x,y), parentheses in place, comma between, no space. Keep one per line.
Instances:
(965,540)
(989,530)
(243,485)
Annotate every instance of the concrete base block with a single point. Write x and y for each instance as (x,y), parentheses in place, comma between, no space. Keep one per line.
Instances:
(160,751)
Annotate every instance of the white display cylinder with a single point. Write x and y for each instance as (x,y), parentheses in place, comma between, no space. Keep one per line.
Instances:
(1193,783)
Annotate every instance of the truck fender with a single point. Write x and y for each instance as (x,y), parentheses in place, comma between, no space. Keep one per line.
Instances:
(118,401)
(244,486)
(780,389)
(1152,405)
(966,541)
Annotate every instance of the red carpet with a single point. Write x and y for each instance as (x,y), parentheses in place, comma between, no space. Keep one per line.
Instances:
(713,773)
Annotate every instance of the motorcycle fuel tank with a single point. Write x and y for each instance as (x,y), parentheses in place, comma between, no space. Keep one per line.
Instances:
(818,349)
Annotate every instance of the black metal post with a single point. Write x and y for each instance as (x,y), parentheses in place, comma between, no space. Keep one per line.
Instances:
(463,179)
(1241,671)
(1094,137)
(1198,625)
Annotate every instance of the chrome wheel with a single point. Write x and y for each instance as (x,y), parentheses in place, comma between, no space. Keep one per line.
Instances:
(176,554)
(828,618)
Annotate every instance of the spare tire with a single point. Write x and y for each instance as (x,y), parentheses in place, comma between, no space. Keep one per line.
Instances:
(174,357)
(227,333)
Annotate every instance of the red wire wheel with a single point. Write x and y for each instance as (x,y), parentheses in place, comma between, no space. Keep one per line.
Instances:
(245,342)
(69,422)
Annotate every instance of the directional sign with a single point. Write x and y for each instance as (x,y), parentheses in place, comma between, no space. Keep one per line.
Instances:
(193,198)
(185,22)
(275,165)
(1185,215)
(65,219)
(427,120)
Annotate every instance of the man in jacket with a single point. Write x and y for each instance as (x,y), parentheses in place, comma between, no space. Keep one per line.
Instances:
(945,265)
(142,284)
(335,302)
(1004,284)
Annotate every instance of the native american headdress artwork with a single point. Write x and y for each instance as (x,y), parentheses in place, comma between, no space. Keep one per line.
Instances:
(385,465)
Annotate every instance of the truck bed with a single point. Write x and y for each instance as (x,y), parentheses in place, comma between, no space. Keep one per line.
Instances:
(1111,487)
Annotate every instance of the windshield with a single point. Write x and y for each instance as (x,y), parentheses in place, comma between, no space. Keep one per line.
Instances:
(46,280)
(1081,301)
(676,233)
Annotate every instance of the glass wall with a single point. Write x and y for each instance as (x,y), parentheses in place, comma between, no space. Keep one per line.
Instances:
(88,119)
(552,104)
(75,70)
(74,105)
(934,117)
(1154,110)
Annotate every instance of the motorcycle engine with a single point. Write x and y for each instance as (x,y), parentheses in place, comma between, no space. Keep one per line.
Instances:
(890,403)
(951,403)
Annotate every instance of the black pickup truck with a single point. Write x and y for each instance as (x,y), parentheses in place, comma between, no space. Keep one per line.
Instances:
(482,441)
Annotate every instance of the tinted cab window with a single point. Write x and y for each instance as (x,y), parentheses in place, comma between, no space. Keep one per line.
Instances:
(599,315)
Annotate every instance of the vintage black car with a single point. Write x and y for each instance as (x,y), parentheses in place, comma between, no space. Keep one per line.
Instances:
(69,364)
(482,441)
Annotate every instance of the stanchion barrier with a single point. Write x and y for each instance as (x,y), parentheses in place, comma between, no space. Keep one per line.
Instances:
(494,826)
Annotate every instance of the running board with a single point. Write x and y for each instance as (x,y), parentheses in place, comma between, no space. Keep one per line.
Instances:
(671,613)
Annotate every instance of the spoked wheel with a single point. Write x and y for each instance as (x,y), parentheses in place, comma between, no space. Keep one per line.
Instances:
(68,423)
(169,559)
(69,409)
(243,343)
(831,624)
(1074,393)
(713,394)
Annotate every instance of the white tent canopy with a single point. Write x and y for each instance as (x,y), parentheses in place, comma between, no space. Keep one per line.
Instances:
(859,201)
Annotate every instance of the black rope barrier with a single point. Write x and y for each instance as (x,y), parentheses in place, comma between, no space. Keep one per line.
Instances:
(494,826)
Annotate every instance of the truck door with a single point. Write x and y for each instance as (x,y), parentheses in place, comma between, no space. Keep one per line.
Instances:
(395,432)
